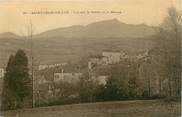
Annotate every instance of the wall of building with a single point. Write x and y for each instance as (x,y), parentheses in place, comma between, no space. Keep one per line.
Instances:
(2,72)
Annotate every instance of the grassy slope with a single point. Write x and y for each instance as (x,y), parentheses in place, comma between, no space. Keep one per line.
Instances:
(152,108)
(57,50)
(75,42)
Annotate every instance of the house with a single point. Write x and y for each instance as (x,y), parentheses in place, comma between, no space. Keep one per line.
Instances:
(60,64)
(102,80)
(99,79)
(107,57)
(42,80)
(124,55)
(67,77)
(93,62)
(50,91)
(2,72)
(111,57)
(142,55)
(41,67)
(52,66)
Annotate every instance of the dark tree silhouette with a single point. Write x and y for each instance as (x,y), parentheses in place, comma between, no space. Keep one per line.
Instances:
(17,83)
(168,48)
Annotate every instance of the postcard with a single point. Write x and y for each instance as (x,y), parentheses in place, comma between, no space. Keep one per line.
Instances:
(90,58)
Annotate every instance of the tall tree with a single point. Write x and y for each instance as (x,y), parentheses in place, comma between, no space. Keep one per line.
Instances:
(169,49)
(172,24)
(7,97)
(17,83)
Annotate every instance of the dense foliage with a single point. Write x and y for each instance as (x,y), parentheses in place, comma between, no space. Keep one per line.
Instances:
(17,83)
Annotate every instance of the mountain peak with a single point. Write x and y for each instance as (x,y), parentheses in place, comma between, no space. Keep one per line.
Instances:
(104,22)
(115,20)
(100,29)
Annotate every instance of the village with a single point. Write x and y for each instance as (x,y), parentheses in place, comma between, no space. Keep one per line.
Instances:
(49,77)
(50,80)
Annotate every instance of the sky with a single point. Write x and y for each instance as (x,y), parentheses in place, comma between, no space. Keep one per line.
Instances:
(16,15)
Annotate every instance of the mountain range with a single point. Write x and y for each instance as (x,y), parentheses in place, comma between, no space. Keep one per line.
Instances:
(101,29)
(76,42)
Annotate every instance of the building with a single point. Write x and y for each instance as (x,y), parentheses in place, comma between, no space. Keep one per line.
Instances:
(106,58)
(2,72)
(67,77)
(111,57)
(93,62)
(102,80)
(142,55)
(42,80)
(42,67)
(60,64)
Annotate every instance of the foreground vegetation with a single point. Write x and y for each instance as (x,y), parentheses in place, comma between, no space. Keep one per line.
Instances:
(150,108)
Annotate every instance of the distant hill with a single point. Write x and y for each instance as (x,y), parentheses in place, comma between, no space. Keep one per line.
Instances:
(9,35)
(77,42)
(101,29)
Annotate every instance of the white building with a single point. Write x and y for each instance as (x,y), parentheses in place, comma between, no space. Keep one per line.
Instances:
(107,58)
(67,77)
(111,57)
(60,64)
(142,55)
(102,80)
(2,72)
(41,67)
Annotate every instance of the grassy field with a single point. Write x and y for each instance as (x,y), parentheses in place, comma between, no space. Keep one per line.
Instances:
(150,108)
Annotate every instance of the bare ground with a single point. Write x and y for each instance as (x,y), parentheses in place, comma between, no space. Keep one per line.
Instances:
(138,108)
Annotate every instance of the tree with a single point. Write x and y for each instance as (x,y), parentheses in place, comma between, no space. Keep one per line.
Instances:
(87,88)
(116,86)
(172,25)
(17,83)
(169,50)
(7,98)
(132,82)
(132,87)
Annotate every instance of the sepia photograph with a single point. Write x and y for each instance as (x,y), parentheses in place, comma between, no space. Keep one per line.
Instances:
(90,58)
